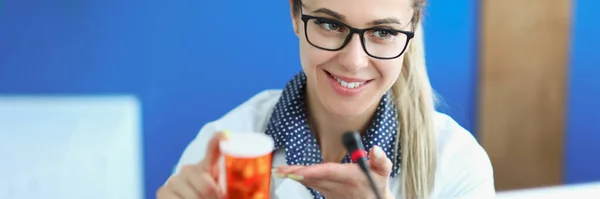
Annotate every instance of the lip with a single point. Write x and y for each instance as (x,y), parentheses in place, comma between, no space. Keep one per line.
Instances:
(347,79)
(343,91)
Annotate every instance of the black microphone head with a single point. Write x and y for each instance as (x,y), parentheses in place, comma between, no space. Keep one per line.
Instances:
(352,142)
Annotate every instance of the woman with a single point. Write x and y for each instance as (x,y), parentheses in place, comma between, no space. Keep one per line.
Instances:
(363,69)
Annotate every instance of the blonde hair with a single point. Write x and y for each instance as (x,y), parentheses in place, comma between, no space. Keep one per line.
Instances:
(415,103)
(414,99)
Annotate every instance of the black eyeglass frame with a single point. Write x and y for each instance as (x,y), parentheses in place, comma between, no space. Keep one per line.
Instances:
(361,33)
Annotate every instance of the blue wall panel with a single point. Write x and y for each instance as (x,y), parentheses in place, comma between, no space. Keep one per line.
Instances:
(206,58)
(451,39)
(583,137)
(191,61)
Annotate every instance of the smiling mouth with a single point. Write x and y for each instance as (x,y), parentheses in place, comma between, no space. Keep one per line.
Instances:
(347,84)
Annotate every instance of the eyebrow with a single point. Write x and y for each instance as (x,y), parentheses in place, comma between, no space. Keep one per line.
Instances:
(385,21)
(331,13)
(341,17)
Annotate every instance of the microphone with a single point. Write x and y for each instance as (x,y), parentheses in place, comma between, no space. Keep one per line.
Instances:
(356,149)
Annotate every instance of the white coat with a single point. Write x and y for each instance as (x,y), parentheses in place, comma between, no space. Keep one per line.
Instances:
(463,167)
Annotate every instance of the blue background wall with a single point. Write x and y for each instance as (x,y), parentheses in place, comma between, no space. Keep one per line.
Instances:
(583,139)
(191,61)
(451,34)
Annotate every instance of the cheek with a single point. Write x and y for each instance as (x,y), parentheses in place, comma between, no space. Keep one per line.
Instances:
(390,71)
(311,57)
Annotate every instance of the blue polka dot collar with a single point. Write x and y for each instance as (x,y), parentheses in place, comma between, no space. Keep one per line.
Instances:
(289,128)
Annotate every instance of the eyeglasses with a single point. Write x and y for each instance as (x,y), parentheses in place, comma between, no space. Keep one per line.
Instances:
(377,42)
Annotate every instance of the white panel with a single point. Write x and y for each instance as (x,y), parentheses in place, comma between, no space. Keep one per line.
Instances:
(70,148)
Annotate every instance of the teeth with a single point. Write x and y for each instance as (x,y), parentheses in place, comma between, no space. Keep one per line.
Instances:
(348,85)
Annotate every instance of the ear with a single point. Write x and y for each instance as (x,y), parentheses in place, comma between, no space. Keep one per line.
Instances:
(295,18)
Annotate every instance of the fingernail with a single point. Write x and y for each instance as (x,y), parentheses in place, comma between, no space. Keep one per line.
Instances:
(279,175)
(295,177)
(378,152)
(227,133)
(273,170)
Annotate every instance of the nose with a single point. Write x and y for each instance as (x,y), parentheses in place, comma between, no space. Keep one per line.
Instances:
(353,57)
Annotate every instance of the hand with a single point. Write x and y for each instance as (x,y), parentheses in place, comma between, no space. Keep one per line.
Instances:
(197,181)
(345,181)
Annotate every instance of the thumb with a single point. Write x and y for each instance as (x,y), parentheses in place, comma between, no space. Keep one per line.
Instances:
(213,152)
(379,162)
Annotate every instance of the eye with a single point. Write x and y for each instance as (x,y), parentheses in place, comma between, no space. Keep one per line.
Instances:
(329,25)
(384,34)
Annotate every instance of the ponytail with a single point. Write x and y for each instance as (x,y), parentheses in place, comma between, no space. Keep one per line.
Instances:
(414,99)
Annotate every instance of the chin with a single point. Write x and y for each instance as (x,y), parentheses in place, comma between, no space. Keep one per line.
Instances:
(346,109)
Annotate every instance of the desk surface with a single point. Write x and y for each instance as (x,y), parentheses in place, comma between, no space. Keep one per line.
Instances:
(583,191)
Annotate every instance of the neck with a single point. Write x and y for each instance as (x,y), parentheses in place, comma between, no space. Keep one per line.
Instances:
(329,128)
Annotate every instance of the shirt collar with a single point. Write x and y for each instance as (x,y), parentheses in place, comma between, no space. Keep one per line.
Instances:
(288,126)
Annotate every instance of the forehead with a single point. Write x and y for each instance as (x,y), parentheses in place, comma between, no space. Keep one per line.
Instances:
(362,11)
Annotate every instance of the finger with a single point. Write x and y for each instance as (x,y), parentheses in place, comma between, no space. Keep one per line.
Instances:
(379,162)
(288,169)
(322,185)
(207,187)
(328,171)
(166,193)
(182,189)
(202,183)
(213,152)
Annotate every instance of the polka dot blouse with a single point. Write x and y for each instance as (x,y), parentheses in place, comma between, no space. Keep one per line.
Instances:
(289,128)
